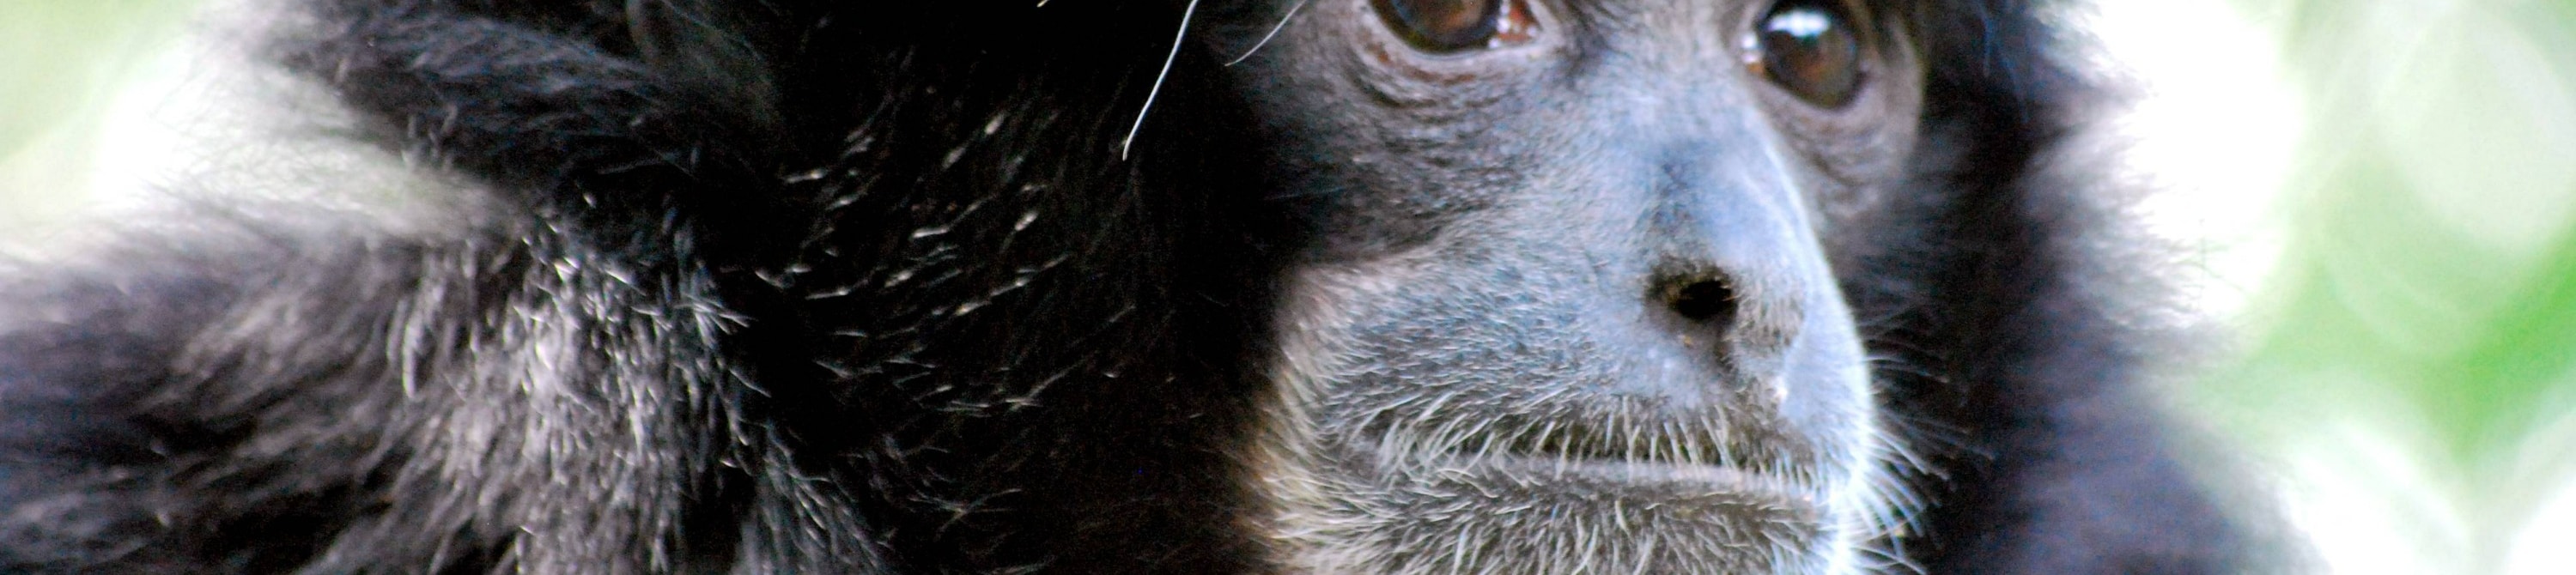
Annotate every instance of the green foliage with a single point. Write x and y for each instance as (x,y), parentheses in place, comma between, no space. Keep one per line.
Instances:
(2425,313)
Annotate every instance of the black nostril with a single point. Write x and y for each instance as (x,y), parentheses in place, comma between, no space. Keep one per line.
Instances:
(1704,301)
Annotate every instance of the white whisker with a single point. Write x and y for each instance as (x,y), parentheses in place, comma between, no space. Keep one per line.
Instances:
(1177,37)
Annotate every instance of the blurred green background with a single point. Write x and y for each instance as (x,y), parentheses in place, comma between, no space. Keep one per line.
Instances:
(2376,197)
(2410,368)
(60,62)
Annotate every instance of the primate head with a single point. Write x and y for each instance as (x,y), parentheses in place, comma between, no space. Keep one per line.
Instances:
(1571,304)
(1375,286)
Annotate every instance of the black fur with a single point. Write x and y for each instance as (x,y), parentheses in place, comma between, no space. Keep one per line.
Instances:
(867,287)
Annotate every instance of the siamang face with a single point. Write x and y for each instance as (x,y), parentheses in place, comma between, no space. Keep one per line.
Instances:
(1571,304)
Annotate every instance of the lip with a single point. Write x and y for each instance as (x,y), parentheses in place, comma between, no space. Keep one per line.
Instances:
(1590,443)
(1676,451)
(1517,509)
(1642,478)
(1637,497)
(1636,480)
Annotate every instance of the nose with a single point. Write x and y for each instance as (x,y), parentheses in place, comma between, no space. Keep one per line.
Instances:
(1744,316)
(1700,300)
(1734,267)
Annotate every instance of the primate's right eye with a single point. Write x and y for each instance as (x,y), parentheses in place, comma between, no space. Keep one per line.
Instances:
(1444,26)
(1811,48)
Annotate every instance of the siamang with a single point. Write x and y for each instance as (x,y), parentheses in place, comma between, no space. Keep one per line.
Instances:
(1098,286)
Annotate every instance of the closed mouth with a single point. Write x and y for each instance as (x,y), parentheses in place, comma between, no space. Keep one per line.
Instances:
(1649,476)
(1631,465)
(1590,443)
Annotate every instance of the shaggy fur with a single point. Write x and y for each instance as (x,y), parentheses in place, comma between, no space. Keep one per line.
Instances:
(866,287)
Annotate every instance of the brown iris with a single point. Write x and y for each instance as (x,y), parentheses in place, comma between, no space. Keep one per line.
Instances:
(1442,26)
(1811,49)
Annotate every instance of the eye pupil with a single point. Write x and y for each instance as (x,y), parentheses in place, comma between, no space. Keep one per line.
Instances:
(1810,49)
(1446,25)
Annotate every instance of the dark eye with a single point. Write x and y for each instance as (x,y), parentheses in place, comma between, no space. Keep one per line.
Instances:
(1810,48)
(1441,26)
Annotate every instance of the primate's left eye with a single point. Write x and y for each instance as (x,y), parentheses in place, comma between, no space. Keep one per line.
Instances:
(1442,26)
(1809,48)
